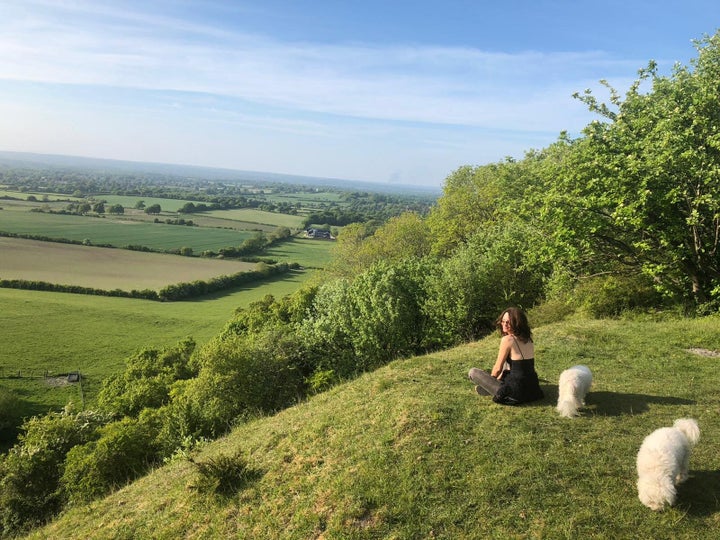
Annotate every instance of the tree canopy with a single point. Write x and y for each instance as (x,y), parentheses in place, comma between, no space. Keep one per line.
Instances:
(644,182)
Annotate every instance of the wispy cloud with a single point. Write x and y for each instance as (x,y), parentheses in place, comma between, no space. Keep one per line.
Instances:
(89,43)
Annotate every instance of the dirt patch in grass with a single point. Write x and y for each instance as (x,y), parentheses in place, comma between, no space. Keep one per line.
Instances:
(704,352)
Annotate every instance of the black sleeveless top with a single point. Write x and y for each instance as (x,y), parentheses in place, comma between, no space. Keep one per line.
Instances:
(520,385)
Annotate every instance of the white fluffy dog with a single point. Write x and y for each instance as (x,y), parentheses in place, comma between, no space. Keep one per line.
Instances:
(573,387)
(663,462)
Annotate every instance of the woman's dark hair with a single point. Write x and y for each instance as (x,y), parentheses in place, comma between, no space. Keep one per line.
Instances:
(518,323)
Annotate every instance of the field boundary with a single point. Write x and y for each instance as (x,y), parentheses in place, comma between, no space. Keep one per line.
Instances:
(179,291)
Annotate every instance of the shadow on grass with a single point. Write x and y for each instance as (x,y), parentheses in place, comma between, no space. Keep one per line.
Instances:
(608,403)
(291,275)
(612,403)
(617,403)
(700,493)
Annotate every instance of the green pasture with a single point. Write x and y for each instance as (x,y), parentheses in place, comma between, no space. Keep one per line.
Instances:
(307,200)
(62,332)
(117,232)
(40,196)
(205,220)
(251,215)
(107,269)
(304,251)
(127,201)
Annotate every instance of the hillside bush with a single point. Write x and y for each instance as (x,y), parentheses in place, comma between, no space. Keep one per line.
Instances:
(360,324)
(240,374)
(223,475)
(384,319)
(30,472)
(499,266)
(9,403)
(610,296)
(123,452)
(146,381)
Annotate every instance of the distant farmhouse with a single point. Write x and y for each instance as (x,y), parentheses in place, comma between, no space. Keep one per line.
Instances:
(318,233)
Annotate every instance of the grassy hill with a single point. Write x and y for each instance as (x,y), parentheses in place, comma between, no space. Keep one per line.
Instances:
(410,451)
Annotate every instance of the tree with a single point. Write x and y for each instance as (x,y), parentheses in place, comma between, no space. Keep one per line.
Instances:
(642,187)
(469,201)
(402,237)
(153,209)
(187,208)
(116,209)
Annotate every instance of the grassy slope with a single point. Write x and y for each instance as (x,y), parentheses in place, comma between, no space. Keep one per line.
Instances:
(410,451)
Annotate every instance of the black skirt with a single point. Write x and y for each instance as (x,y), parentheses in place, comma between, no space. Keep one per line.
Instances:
(520,385)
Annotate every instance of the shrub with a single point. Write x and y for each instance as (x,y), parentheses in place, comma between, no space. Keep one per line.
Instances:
(321,380)
(498,267)
(223,475)
(360,324)
(9,404)
(30,472)
(610,296)
(123,452)
(239,375)
(147,379)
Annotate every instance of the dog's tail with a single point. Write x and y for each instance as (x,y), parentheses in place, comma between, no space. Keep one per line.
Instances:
(689,428)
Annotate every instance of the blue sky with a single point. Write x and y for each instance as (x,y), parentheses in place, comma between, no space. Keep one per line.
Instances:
(382,91)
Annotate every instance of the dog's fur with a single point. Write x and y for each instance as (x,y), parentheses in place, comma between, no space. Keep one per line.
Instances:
(663,462)
(573,387)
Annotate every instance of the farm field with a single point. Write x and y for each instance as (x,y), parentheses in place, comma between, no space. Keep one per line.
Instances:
(307,252)
(106,268)
(42,197)
(62,332)
(313,200)
(252,215)
(167,205)
(205,220)
(119,232)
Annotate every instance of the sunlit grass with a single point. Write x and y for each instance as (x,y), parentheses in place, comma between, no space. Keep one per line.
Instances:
(62,332)
(411,451)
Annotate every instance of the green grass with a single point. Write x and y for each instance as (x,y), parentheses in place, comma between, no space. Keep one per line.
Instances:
(41,197)
(62,332)
(315,200)
(304,251)
(167,205)
(107,269)
(250,215)
(118,232)
(410,451)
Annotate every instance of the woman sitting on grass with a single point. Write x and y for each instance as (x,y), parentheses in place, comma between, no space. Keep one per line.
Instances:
(513,379)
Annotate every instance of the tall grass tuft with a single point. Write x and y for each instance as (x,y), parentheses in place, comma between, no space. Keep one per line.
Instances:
(223,475)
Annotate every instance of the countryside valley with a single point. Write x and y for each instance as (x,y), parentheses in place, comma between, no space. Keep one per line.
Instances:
(322,391)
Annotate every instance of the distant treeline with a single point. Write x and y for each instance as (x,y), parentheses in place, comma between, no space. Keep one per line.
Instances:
(352,206)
